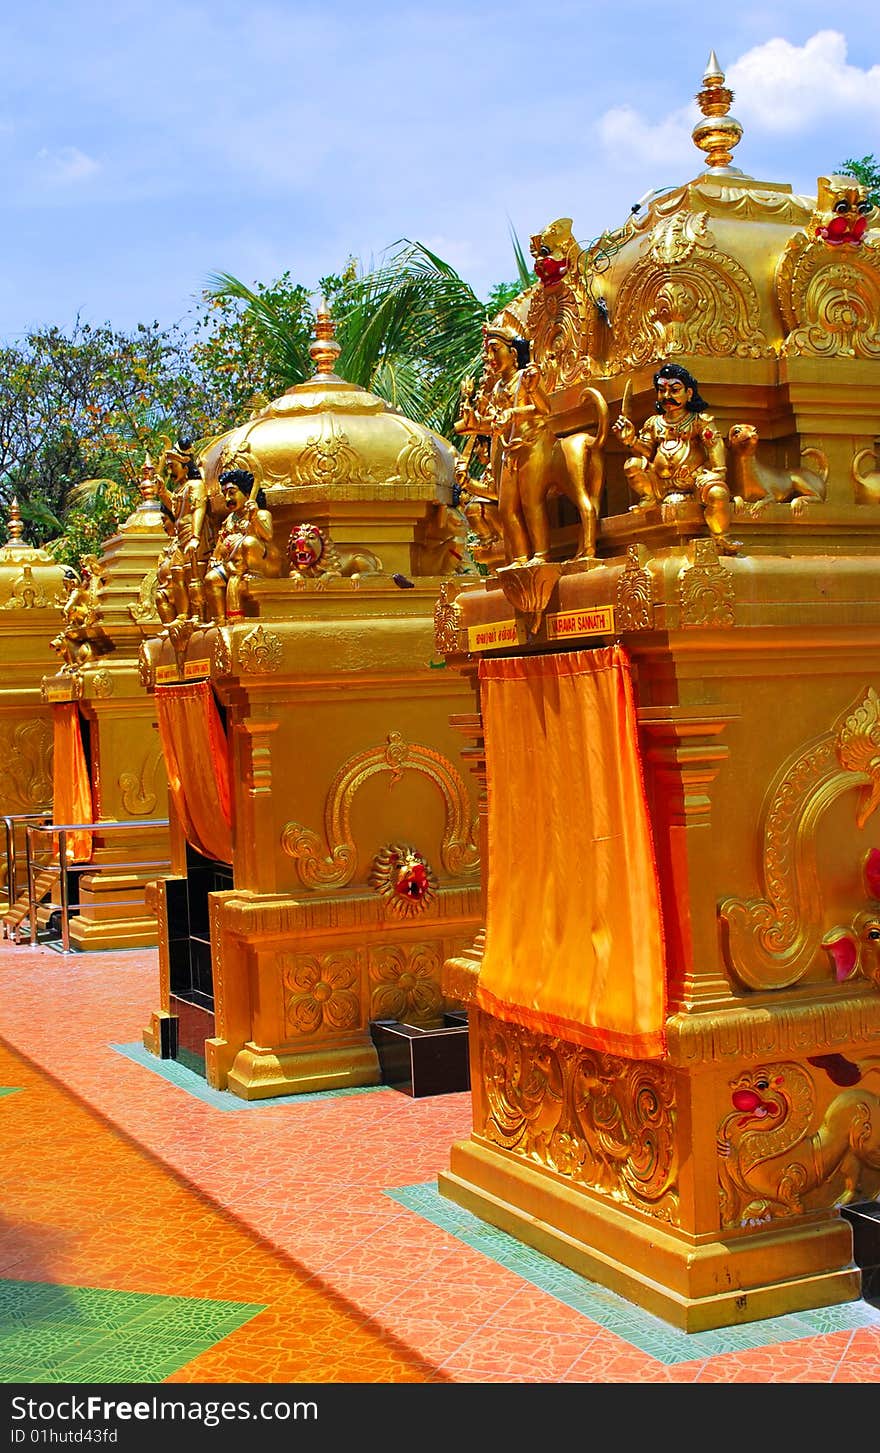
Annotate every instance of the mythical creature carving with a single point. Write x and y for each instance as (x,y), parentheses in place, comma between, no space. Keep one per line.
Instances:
(403,879)
(314,556)
(26,765)
(771,1165)
(828,278)
(563,318)
(760,484)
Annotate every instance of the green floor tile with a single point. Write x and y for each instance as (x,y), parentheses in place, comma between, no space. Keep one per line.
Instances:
(10,1089)
(649,1334)
(186,1078)
(89,1335)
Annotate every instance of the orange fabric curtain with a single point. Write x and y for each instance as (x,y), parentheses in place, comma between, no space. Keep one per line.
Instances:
(574,937)
(71,788)
(197,761)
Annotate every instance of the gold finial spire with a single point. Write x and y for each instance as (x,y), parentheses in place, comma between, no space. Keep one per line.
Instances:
(719,132)
(148,486)
(15,524)
(323,349)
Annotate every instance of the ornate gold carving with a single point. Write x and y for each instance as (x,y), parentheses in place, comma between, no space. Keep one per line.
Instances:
(598,1120)
(144,612)
(101,683)
(447,620)
(139,795)
(562,320)
(705,589)
(634,608)
(830,304)
(458,852)
(313,555)
(403,879)
(686,296)
(774,941)
(329,459)
(26,593)
(222,654)
(321,993)
(26,765)
(260,652)
(417,462)
(405,982)
(852,1017)
(769,1163)
(529,588)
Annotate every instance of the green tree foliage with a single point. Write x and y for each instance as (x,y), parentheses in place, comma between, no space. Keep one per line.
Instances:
(867,171)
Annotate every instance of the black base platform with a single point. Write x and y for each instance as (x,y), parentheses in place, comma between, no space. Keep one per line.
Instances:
(423,1062)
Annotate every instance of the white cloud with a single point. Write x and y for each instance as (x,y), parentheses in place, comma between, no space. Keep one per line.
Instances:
(782,87)
(66,165)
(779,88)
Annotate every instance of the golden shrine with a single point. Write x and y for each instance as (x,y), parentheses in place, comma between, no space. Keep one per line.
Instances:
(324,855)
(675,667)
(31,592)
(109,768)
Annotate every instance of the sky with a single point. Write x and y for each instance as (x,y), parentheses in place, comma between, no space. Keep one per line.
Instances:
(147,146)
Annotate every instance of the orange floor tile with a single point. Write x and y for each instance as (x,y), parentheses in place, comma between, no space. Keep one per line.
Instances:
(294,1238)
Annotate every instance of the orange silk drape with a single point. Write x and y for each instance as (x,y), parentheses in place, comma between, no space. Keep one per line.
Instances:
(574,936)
(197,761)
(71,788)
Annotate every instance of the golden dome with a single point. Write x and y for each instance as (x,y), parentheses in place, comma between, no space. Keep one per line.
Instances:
(29,577)
(329,440)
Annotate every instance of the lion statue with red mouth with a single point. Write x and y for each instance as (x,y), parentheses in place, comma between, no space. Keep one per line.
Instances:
(314,556)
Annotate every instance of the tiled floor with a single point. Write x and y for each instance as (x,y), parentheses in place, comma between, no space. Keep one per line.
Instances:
(151,1234)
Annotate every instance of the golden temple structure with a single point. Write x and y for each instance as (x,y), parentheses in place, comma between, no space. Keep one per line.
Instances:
(324,853)
(675,668)
(113,771)
(31,592)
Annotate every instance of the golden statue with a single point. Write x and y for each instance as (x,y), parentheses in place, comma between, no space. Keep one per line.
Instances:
(678,454)
(759,484)
(477,502)
(82,638)
(187,505)
(243,550)
(528,461)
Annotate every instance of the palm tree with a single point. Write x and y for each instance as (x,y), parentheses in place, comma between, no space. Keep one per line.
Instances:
(410,330)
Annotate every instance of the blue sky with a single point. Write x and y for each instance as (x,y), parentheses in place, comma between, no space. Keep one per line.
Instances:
(145,146)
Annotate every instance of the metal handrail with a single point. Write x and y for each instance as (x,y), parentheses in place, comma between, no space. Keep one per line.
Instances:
(10,822)
(65,869)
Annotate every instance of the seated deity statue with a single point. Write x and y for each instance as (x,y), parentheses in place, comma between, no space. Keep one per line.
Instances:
(243,550)
(678,454)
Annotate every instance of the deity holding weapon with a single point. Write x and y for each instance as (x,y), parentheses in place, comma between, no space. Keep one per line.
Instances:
(678,454)
(474,497)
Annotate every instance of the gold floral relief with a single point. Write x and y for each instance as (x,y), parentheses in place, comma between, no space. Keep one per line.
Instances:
(830,304)
(321,993)
(774,941)
(260,652)
(329,459)
(772,1164)
(685,296)
(405,982)
(334,866)
(706,593)
(26,751)
(596,1119)
(634,600)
